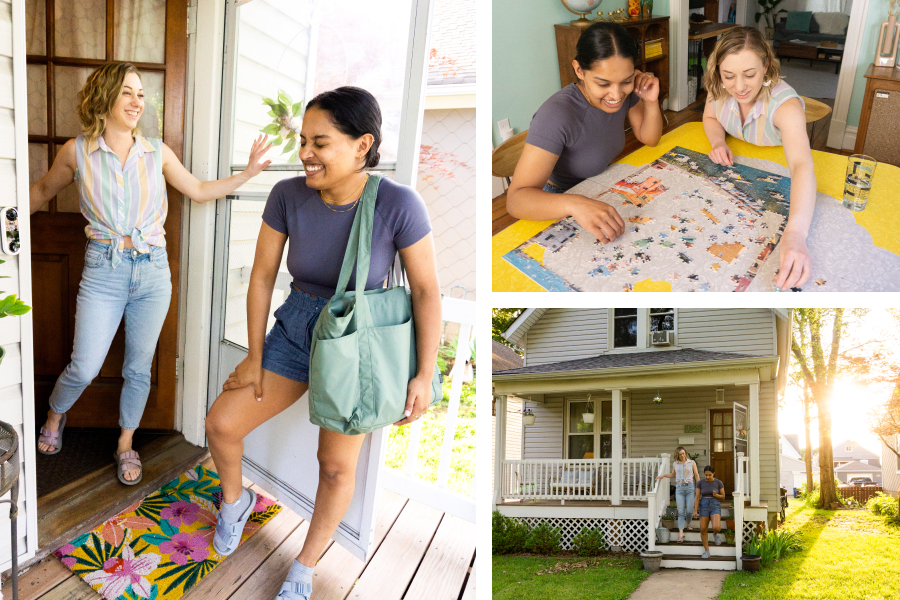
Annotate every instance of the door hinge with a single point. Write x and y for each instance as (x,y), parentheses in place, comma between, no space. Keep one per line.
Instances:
(191,19)
(179,367)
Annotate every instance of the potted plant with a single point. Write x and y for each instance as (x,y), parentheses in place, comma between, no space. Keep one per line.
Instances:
(588,414)
(527,417)
(768,9)
(652,559)
(751,557)
(729,536)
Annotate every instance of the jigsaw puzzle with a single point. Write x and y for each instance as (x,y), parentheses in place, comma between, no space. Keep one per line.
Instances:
(690,224)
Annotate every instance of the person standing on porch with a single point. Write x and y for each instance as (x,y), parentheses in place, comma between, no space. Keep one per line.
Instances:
(339,141)
(121,178)
(684,471)
(709,492)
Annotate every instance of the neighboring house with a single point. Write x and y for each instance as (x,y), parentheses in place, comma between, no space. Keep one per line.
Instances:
(707,379)
(447,158)
(848,452)
(891,468)
(503,358)
(793,468)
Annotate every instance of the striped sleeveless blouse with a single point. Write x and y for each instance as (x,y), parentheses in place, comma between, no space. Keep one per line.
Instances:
(118,201)
(759,127)
(684,472)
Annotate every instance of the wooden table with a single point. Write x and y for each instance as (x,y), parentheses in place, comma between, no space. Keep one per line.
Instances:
(881,218)
(812,52)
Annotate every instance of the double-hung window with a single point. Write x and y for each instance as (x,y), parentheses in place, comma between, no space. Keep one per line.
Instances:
(631,327)
(593,440)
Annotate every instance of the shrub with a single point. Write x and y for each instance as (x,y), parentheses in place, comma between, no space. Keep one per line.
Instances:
(508,536)
(774,544)
(543,539)
(883,504)
(589,542)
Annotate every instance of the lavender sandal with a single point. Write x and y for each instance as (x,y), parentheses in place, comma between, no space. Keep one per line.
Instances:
(52,438)
(291,590)
(128,461)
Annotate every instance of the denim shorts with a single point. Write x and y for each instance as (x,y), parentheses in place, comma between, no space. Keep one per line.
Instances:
(710,507)
(286,349)
(553,189)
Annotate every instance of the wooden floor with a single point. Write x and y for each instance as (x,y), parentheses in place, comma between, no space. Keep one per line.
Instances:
(421,553)
(501,219)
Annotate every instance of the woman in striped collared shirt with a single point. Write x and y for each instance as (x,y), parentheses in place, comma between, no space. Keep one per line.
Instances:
(121,178)
(749,100)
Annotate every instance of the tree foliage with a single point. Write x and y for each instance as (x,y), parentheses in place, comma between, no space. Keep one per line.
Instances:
(501,319)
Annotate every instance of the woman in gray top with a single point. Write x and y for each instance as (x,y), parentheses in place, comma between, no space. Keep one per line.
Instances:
(580,130)
(709,492)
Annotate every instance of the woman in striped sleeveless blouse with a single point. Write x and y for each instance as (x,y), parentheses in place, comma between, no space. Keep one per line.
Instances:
(685,474)
(121,178)
(748,99)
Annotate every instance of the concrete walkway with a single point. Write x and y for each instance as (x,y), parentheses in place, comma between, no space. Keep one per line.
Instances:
(681,584)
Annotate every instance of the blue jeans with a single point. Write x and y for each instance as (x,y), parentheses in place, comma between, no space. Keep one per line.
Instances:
(139,289)
(553,189)
(684,500)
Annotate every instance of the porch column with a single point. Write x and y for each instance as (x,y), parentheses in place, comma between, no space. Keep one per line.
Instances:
(617,447)
(499,448)
(754,444)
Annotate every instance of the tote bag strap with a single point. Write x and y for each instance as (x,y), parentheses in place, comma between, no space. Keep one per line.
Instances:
(359,244)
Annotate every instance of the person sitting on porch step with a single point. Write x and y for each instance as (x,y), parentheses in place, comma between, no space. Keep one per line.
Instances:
(749,100)
(709,491)
(121,178)
(684,471)
(580,130)
(339,141)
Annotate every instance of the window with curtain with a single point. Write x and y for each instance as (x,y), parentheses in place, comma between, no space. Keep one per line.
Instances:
(625,328)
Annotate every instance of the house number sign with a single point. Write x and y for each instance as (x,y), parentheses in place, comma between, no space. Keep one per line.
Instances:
(693,428)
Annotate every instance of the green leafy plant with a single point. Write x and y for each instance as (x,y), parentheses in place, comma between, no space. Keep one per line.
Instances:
(883,504)
(768,10)
(543,539)
(283,110)
(11,306)
(694,456)
(508,535)
(773,545)
(589,542)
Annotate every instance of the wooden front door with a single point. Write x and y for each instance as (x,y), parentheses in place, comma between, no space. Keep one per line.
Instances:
(721,443)
(66,40)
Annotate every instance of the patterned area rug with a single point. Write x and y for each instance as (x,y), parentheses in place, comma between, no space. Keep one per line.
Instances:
(160,547)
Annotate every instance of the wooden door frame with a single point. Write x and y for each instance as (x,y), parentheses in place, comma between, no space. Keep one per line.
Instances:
(729,490)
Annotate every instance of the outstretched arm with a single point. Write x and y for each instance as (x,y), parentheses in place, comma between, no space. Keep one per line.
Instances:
(715,133)
(185,182)
(61,174)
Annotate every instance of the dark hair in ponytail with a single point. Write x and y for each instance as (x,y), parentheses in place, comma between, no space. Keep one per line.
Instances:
(603,40)
(355,112)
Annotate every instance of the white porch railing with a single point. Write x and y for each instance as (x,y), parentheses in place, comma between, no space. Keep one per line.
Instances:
(407,483)
(741,488)
(638,477)
(657,500)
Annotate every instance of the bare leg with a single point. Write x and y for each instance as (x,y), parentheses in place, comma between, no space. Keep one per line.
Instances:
(125,439)
(338,454)
(235,414)
(704,532)
(717,523)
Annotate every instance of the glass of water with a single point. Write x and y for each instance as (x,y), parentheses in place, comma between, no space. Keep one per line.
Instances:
(860,171)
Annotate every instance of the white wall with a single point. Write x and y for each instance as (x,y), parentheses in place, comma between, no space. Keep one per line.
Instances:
(890,470)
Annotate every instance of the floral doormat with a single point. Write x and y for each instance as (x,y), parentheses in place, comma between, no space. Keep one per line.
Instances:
(160,547)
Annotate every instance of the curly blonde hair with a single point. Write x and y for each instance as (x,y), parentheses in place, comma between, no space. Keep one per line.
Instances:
(99,95)
(732,42)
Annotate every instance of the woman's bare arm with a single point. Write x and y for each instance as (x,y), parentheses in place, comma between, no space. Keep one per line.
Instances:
(61,174)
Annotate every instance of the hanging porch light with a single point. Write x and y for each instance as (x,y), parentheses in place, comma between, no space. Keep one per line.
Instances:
(657,399)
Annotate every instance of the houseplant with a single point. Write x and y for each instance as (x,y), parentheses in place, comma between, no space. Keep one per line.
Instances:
(588,414)
(527,417)
(751,556)
(767,8)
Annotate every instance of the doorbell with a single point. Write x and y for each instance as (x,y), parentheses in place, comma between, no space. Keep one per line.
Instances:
(10,239)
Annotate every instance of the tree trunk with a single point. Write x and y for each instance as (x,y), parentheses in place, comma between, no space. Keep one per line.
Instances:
(807,456)
(827,493)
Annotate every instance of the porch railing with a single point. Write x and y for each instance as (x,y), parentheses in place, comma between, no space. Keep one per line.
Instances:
(657,499)
(741,489)
(407,482)
(638,477)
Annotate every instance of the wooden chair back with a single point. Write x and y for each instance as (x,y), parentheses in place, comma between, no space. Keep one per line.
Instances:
(505,156)
(815,110)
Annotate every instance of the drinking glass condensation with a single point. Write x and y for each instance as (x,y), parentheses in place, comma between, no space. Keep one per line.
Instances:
(860,170)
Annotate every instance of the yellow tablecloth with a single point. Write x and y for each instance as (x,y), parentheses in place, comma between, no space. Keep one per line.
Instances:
(881,217)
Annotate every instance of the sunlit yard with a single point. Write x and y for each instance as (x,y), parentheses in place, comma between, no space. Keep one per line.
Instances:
(569,578)
(848,554)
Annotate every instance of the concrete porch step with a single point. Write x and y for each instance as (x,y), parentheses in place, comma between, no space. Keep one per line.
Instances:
(713,563)
(695,549)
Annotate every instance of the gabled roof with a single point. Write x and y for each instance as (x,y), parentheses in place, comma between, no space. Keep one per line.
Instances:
(504,357)
(858,467)
(631,359)
(453,41)
(858,452)
(794,440)
(787,446)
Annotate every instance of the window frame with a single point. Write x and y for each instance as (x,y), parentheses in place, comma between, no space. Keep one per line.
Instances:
(643,334)
(598,407)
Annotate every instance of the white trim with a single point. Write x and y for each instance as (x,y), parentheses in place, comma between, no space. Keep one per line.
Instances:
(28,477)
(500,446)
(678,54)
(455,89)
(850,137)
(520,320)
(837,132)
(423,492)
(753,413)
(574,512)
(617,447)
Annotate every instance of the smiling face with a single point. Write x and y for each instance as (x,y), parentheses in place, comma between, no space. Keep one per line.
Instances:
(127,111)
(607,83)
(680,455)
(742,75)
(709,475)
(329,155)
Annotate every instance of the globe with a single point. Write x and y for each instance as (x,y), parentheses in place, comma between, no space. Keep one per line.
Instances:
(581,8)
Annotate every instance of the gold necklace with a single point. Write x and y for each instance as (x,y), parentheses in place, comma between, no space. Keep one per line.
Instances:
(352,205)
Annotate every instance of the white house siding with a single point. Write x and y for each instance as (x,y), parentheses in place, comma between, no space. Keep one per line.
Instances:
(11,397)
(513,433)
(567,334)
(745,330)
(890,470)
(544,439)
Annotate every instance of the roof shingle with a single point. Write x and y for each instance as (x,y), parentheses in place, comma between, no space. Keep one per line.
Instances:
(453,42)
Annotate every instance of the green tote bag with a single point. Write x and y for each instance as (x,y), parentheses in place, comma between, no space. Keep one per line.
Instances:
(363,344)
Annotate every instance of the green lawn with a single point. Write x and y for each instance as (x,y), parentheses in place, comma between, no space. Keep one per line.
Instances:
(572,578)
(462,461)
(847,555)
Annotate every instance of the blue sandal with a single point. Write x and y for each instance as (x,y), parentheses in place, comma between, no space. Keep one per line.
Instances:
(291,590)
(228,535)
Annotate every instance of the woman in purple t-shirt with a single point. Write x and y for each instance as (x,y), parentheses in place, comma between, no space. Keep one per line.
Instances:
(339,140)
(706,506)
(580,130)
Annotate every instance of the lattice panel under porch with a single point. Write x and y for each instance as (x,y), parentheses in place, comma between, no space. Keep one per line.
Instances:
(749,526)
(629,534)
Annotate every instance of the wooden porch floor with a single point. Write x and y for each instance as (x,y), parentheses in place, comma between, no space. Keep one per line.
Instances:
(420,553)
(601,503)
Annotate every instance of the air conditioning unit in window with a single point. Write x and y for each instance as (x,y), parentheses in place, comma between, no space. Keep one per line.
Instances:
(662,338)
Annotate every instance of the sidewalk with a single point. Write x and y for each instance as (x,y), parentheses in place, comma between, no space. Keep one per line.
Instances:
(681,584)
